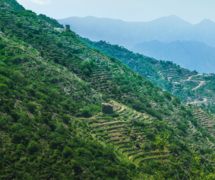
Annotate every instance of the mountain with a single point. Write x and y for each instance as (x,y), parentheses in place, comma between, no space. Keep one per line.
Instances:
(192,55)
(128,34)
(52,86)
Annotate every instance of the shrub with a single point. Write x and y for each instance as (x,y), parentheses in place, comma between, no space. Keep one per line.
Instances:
(33,147)
(182,125)
(24,120)
(113,59)
(31,107)
(194,122)
(86,112)
(183,113)
(183,108)
(3,123)
(56,143)
(150,135)
(20,148)
(60,129)
(3,88)
(42,102)
(86,71)
(67,152)
(66,119)
(18,138)
(189,113)
(178,100)
(16,127)
(170,107)
(167,95)
(60,45)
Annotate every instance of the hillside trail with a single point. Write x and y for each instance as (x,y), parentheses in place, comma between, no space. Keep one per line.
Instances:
(197,102)
(201,84)
(192,76)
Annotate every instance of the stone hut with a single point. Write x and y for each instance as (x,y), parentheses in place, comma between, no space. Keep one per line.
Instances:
(67,27)
(107,108)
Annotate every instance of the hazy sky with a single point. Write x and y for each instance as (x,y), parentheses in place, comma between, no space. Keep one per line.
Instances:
(128,10)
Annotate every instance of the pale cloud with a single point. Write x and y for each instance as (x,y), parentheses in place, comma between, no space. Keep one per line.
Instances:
(137,10)
(41,1)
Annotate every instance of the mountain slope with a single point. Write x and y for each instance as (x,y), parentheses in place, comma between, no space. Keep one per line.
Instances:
(52,86)
(190,86)
(192,55)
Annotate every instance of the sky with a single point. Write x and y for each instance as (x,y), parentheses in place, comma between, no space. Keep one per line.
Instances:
(192,11)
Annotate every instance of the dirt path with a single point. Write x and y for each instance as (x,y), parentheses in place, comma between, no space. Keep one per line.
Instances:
(201,84)
(197,102)
(192,76)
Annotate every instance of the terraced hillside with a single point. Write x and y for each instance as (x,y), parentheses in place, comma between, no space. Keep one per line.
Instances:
(205,120)
(190,86)
(51,89)
(133,138)
(128,139)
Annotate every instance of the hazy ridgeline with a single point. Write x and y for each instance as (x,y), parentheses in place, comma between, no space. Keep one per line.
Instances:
(176,40)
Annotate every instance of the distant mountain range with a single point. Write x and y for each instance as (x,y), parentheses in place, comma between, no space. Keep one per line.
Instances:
(128,34)
(167,38)
(193,55)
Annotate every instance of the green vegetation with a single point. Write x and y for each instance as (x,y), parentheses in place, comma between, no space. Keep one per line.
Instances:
(13,5)
(51,89)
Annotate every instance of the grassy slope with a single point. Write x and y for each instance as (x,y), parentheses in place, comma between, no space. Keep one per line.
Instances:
(47,89)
